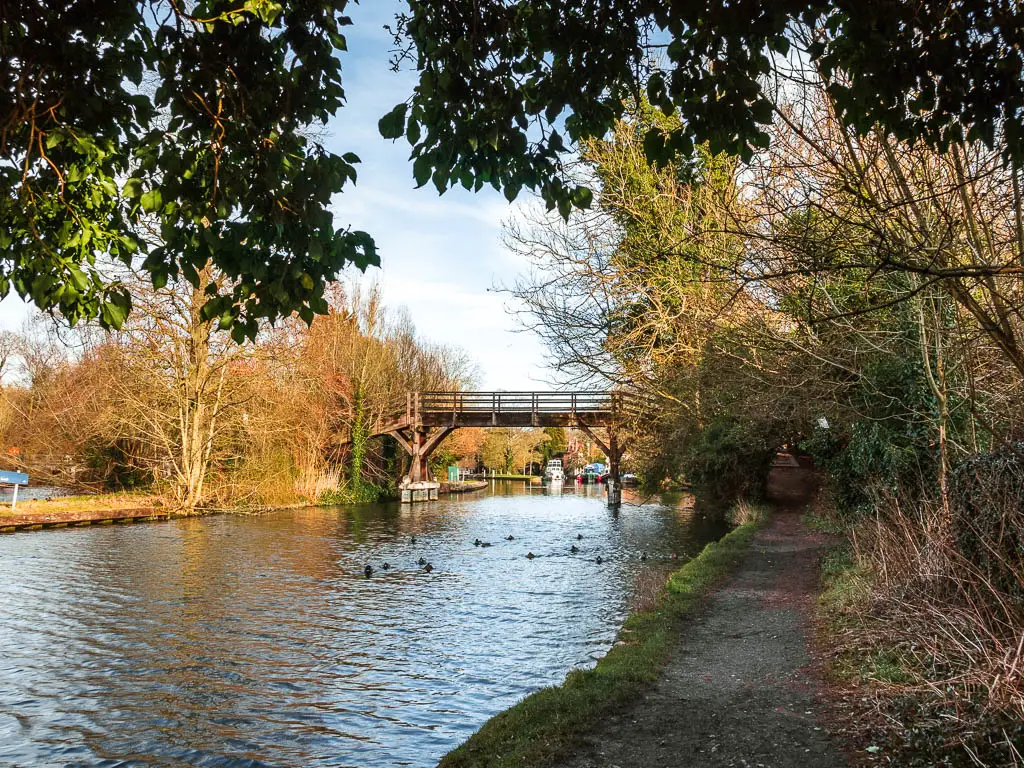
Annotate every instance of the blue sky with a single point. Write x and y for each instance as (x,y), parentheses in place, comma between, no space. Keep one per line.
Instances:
(439,254)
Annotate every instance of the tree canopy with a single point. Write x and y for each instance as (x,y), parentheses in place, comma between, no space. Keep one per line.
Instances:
(506,87)
(176,134)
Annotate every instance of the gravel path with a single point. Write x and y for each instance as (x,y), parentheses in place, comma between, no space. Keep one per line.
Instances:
(739,690)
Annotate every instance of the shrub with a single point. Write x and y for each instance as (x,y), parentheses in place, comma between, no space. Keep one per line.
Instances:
(868,458)
(728,461)
(987,510)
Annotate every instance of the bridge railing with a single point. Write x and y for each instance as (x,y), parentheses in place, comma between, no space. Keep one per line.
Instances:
(514,402)
(603,404)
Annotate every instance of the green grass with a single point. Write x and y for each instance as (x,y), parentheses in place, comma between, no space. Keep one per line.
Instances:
(846,588)
(824,523)
(845,583)
(95,502)
(363,493)
(544,726)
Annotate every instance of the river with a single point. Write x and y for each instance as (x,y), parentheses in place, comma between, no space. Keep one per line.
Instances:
(252,641)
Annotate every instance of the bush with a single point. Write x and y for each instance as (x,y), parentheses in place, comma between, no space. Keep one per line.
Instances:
(869,458)
(357,493)
(917,619)
(727,461)
(987,507)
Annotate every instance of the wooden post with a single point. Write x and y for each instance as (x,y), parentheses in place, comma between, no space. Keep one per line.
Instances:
(416,469)
(614,484)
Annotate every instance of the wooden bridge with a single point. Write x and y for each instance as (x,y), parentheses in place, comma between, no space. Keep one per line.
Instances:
(429,417)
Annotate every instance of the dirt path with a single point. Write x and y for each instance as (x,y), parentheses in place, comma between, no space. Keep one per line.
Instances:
(739,691)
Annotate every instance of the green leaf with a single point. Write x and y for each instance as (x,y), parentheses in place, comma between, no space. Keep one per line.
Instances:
(762,111)
(779,44)
(79,279)
(392,125)
(421,170)
(564,208)
(152,201)
(412,132)
(116,310)
(132,188)
(338,41)
(582,197)
(512,191)
(654,146)
(440,181)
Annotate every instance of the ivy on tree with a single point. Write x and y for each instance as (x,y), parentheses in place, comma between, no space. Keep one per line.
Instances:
(172,133)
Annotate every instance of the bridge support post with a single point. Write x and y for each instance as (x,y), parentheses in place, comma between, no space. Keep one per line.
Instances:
(613,484)
(418,466)
(419,443)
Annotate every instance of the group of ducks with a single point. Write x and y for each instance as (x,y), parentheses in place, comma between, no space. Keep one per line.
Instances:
(368,571)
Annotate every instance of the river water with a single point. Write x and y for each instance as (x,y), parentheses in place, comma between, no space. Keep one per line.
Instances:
(251,641)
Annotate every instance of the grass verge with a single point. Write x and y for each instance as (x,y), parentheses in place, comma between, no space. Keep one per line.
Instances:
(542,727)
(100,502)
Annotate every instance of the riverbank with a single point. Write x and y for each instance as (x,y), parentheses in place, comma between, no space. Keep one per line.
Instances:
(12,522)
(81,510)
(548,726)
(100,509)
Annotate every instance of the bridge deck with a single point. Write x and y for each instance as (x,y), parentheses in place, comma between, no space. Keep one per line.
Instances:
(510,409)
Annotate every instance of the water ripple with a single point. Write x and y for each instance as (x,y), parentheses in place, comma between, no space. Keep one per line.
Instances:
(259,642)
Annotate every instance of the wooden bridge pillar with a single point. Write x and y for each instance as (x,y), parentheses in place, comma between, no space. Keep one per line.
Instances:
(419,443)
(418,466)
(614,487)
(612,449)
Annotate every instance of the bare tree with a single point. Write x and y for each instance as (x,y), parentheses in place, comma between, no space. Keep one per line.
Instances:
(183,378)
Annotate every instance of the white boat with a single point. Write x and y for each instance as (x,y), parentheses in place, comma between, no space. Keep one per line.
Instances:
(553,472)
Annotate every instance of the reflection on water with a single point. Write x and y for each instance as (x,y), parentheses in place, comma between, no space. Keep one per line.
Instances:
(259,641)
